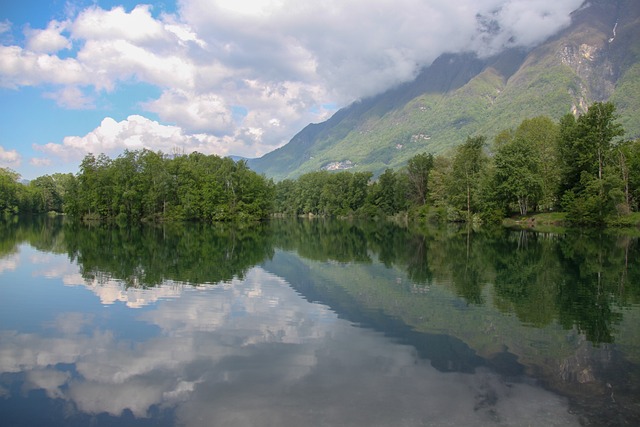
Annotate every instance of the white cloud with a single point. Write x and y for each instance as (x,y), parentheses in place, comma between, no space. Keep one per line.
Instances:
(194,112)
(361,47)
(279,61)
(71,97)
(50,380)
(9,262)
(519,23)
(49,40)
(9,158)
(121,60)
(137,132)
(19,67)
(117,24)
(5,26)
(40,162)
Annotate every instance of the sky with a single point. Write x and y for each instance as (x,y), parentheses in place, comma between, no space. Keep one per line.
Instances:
(224,77)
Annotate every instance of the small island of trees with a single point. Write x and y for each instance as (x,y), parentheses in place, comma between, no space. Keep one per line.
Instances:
(579,166)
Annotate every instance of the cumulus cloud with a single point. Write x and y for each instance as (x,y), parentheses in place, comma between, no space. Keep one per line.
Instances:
(49,40)
(279,61)
(20,67)
(138,25)
(195,112)
(359,48)
(9,158)
(138,132)
(71,97)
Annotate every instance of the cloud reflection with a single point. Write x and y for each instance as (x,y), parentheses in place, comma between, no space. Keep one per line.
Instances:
(253,352)
(9,263)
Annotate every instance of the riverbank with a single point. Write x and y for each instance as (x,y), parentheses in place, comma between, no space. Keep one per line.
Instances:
(557,221)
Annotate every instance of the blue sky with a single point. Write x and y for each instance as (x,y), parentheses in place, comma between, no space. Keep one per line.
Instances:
(225,77)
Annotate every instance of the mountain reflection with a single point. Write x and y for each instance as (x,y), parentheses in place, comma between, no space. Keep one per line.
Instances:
(249,352)
(244,325)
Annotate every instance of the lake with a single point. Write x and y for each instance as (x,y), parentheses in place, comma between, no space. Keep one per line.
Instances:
(316,323)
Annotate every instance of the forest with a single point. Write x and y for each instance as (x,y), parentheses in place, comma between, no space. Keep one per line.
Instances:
(580,166)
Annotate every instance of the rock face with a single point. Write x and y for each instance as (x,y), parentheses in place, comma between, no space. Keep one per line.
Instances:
(594,70)
(596,59)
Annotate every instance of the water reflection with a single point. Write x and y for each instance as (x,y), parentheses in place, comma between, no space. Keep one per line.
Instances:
(252,352)
(255,326)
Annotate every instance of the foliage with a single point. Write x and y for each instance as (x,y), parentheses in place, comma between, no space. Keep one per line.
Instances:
(144,185)
(323,193)
(9,191)
(43,194)
(468,165)
(517,174)
(579,165)
(590,185)
(418,169)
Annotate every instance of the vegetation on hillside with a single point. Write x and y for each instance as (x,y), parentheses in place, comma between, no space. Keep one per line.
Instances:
(580,166)
(461,95)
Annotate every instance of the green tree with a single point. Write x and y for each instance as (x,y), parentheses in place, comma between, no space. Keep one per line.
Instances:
(285,199)
(389,193)
(517,175)
(629,167)
(438,180)
(418,170)
(46,198)
(590,190)
(542,133)
(469,164)
(147,185)
(9,191)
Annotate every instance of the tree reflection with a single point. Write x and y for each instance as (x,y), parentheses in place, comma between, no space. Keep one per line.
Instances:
(149,256)
(576,279)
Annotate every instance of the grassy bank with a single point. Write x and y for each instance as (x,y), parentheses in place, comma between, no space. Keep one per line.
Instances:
(557,221)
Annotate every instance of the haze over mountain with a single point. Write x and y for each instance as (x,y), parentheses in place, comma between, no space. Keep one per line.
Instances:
(597,58)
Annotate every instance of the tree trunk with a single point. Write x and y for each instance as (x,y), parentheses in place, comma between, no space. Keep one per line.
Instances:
(625,179)
(468,201)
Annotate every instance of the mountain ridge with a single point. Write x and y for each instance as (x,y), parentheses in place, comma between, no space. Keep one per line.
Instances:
(597,58)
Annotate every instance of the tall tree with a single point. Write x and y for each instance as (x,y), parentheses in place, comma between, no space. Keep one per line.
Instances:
(541,134)
(588,155)
(9,191)
(517,175)
(418,169)
(387,193)
(469,163)
(629,165)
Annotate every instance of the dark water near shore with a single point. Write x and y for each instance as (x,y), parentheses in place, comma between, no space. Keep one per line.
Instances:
(334,323)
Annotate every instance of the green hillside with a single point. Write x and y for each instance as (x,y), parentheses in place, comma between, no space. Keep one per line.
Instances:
(462,95)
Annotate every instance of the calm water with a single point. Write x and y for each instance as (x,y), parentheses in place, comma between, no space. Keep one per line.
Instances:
(316,323)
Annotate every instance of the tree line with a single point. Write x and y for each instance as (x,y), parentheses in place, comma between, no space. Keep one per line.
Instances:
(147,185)
(579,165)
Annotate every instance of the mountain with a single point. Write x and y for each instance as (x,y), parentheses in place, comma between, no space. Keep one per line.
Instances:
(597,58)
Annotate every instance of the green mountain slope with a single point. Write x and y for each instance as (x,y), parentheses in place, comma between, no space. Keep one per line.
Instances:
(596,59)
